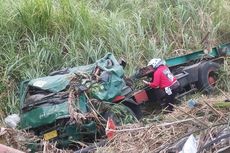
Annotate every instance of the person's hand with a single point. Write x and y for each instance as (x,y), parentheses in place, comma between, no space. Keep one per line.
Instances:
(146,82)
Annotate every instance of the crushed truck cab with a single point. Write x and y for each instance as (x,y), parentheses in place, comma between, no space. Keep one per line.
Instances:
(73,104)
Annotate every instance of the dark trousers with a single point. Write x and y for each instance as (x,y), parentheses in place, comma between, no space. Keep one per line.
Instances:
(171,98)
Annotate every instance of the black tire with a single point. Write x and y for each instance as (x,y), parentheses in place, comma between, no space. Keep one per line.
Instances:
(207,72)
(130,103)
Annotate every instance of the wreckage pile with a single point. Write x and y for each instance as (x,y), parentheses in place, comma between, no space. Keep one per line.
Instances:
(21,140)
(200,125)
(205,123)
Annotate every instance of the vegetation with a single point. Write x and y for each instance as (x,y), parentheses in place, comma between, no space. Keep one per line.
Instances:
(39,36)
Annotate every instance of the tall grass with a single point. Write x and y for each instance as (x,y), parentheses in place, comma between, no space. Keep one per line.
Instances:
(224,76)
(39,36)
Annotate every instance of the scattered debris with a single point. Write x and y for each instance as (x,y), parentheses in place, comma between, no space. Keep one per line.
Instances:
(110,127)
(192,103)
(208,125)
(190,145)
(26,142)
(12,120)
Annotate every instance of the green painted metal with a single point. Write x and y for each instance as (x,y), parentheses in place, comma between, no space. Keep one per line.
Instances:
(52,83)
(73,132)
(110,88)
(221,50)
(35,115)
(43,115)
(23,91)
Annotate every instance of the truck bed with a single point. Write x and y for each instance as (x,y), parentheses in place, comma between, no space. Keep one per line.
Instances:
(221,50)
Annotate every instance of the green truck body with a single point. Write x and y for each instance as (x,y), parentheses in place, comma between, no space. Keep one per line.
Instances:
(44,101)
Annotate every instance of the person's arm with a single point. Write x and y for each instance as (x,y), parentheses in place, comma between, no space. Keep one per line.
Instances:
(156,80)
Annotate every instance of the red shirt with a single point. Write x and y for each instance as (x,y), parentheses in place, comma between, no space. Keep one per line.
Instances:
(162,78)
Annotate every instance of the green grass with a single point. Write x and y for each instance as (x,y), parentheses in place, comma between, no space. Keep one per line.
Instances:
(39,36)
(224,75)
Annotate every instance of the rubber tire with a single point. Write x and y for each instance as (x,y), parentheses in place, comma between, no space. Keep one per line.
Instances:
(204,70)
(130,103)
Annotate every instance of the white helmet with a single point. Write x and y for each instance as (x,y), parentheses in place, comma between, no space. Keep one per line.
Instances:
(156,62)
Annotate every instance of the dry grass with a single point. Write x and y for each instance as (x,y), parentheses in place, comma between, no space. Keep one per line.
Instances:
(204,121)
(20,140)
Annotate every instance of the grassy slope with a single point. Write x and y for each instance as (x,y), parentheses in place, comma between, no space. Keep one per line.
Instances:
(39,36)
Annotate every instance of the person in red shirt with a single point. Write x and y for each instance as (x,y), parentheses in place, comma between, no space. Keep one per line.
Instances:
(165,80)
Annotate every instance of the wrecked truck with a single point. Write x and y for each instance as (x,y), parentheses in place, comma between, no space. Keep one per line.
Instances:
(52,106)
(73,104)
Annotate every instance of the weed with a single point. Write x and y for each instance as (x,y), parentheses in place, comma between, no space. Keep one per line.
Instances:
(39,36)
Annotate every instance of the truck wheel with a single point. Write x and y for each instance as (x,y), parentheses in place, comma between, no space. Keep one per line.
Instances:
(135,108)
(207,76)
